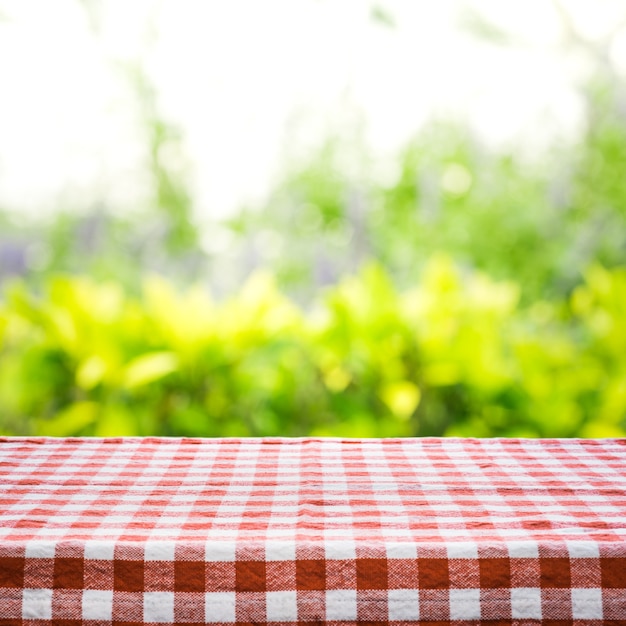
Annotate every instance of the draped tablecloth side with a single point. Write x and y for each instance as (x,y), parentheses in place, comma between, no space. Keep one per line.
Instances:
(326,531)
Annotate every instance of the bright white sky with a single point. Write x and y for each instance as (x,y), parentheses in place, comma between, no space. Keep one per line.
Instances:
(246,80)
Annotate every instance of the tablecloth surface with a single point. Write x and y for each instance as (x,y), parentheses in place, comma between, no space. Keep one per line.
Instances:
(320,531)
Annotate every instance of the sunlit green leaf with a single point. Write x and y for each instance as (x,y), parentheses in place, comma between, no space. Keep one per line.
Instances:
(91,371)
(149,368)
(70,421)
(116,421)
(401,397)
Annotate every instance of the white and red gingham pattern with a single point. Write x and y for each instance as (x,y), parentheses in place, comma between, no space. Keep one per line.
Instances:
(269,531)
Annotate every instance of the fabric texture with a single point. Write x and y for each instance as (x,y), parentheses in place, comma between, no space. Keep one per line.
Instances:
(321,531)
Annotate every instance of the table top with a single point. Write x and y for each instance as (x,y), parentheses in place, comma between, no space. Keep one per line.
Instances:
(385,531)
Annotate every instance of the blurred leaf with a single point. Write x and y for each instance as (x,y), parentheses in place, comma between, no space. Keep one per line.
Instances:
(337,378)
(442,373)
(116,421)
(401,397)
(71,421)
(149,368)
(91,372)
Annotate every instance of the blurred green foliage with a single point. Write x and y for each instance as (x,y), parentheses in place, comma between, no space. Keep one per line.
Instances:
(466,290)
(454,355)
(539,222)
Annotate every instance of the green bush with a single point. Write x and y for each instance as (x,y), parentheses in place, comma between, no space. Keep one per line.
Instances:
(455,355)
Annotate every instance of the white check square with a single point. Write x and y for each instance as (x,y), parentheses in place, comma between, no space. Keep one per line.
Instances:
(160,550)
(401,550)
(37,604)
(158,606)
(222,551)
(341,604)
(99,550)
(276,550)
(523,549)
(583,549)
(345,549)
(403,604)
(97,604)
(464,604)
(462,550)
(587,603)
(281,606)
(39,549)
(526,603)
(219,606)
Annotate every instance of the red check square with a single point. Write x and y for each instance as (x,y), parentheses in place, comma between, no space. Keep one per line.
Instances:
(613,573)
(128,575)
(310,574)
(12,572)
(371,574)
(68,573)
(250,576)
(433,573)
(189,576)
(555,572)
(495,573)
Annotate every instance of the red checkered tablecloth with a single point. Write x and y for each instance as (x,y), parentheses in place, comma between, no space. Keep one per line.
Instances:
(321,531)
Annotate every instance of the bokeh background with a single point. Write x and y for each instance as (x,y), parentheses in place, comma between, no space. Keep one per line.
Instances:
(313,217)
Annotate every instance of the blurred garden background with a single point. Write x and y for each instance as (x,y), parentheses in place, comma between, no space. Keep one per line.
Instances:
(313,217)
